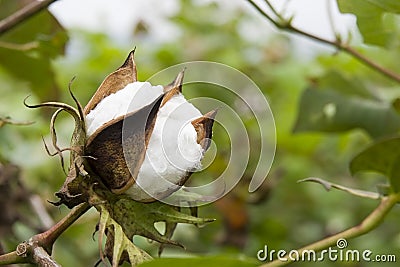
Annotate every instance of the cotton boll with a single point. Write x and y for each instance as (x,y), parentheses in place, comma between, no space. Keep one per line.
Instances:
(172,151)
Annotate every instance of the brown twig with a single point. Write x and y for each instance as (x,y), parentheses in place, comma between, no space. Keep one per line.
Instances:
(23,14)
(286,25)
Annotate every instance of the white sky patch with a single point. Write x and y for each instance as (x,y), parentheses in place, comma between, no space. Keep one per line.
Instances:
(117,18)
(313,16)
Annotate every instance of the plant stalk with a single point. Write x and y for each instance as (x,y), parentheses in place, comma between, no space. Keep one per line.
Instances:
(23,14)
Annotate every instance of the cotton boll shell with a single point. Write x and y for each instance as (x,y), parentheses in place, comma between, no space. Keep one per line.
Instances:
(106,147)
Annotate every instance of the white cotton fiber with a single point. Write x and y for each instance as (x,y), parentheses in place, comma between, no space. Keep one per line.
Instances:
(172,150)
(131,98)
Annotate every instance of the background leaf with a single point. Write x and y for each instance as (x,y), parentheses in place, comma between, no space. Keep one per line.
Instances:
(332,111)
(382,157)
(374,19)
(26,51)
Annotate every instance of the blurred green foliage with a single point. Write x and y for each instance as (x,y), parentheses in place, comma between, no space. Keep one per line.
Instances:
(327,109)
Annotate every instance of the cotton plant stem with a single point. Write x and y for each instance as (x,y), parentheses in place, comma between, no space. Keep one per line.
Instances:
(285,24)
(369,223)
(37,248)
(42,258)
(22,14)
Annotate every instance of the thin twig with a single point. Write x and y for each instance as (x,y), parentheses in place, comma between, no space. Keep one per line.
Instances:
(368,224)
(22,14)
(286,25)
(276,13)
(265,15)
(38,207)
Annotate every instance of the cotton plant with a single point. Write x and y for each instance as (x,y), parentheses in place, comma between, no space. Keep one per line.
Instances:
(134,144)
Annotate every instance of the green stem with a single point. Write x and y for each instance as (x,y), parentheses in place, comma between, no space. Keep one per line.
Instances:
(369,223)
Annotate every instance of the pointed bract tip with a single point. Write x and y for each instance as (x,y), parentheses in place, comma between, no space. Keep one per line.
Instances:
(130,60)
(203,127)
(114,82)
(176,83)
(211,114)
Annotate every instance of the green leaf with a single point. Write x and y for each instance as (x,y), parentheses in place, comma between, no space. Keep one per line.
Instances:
(212,261)
(138,218)
(382,157)
(375,19)
(27,49)
(332,111)
(37,71)
(345,84)
(117,241)
(121,218)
